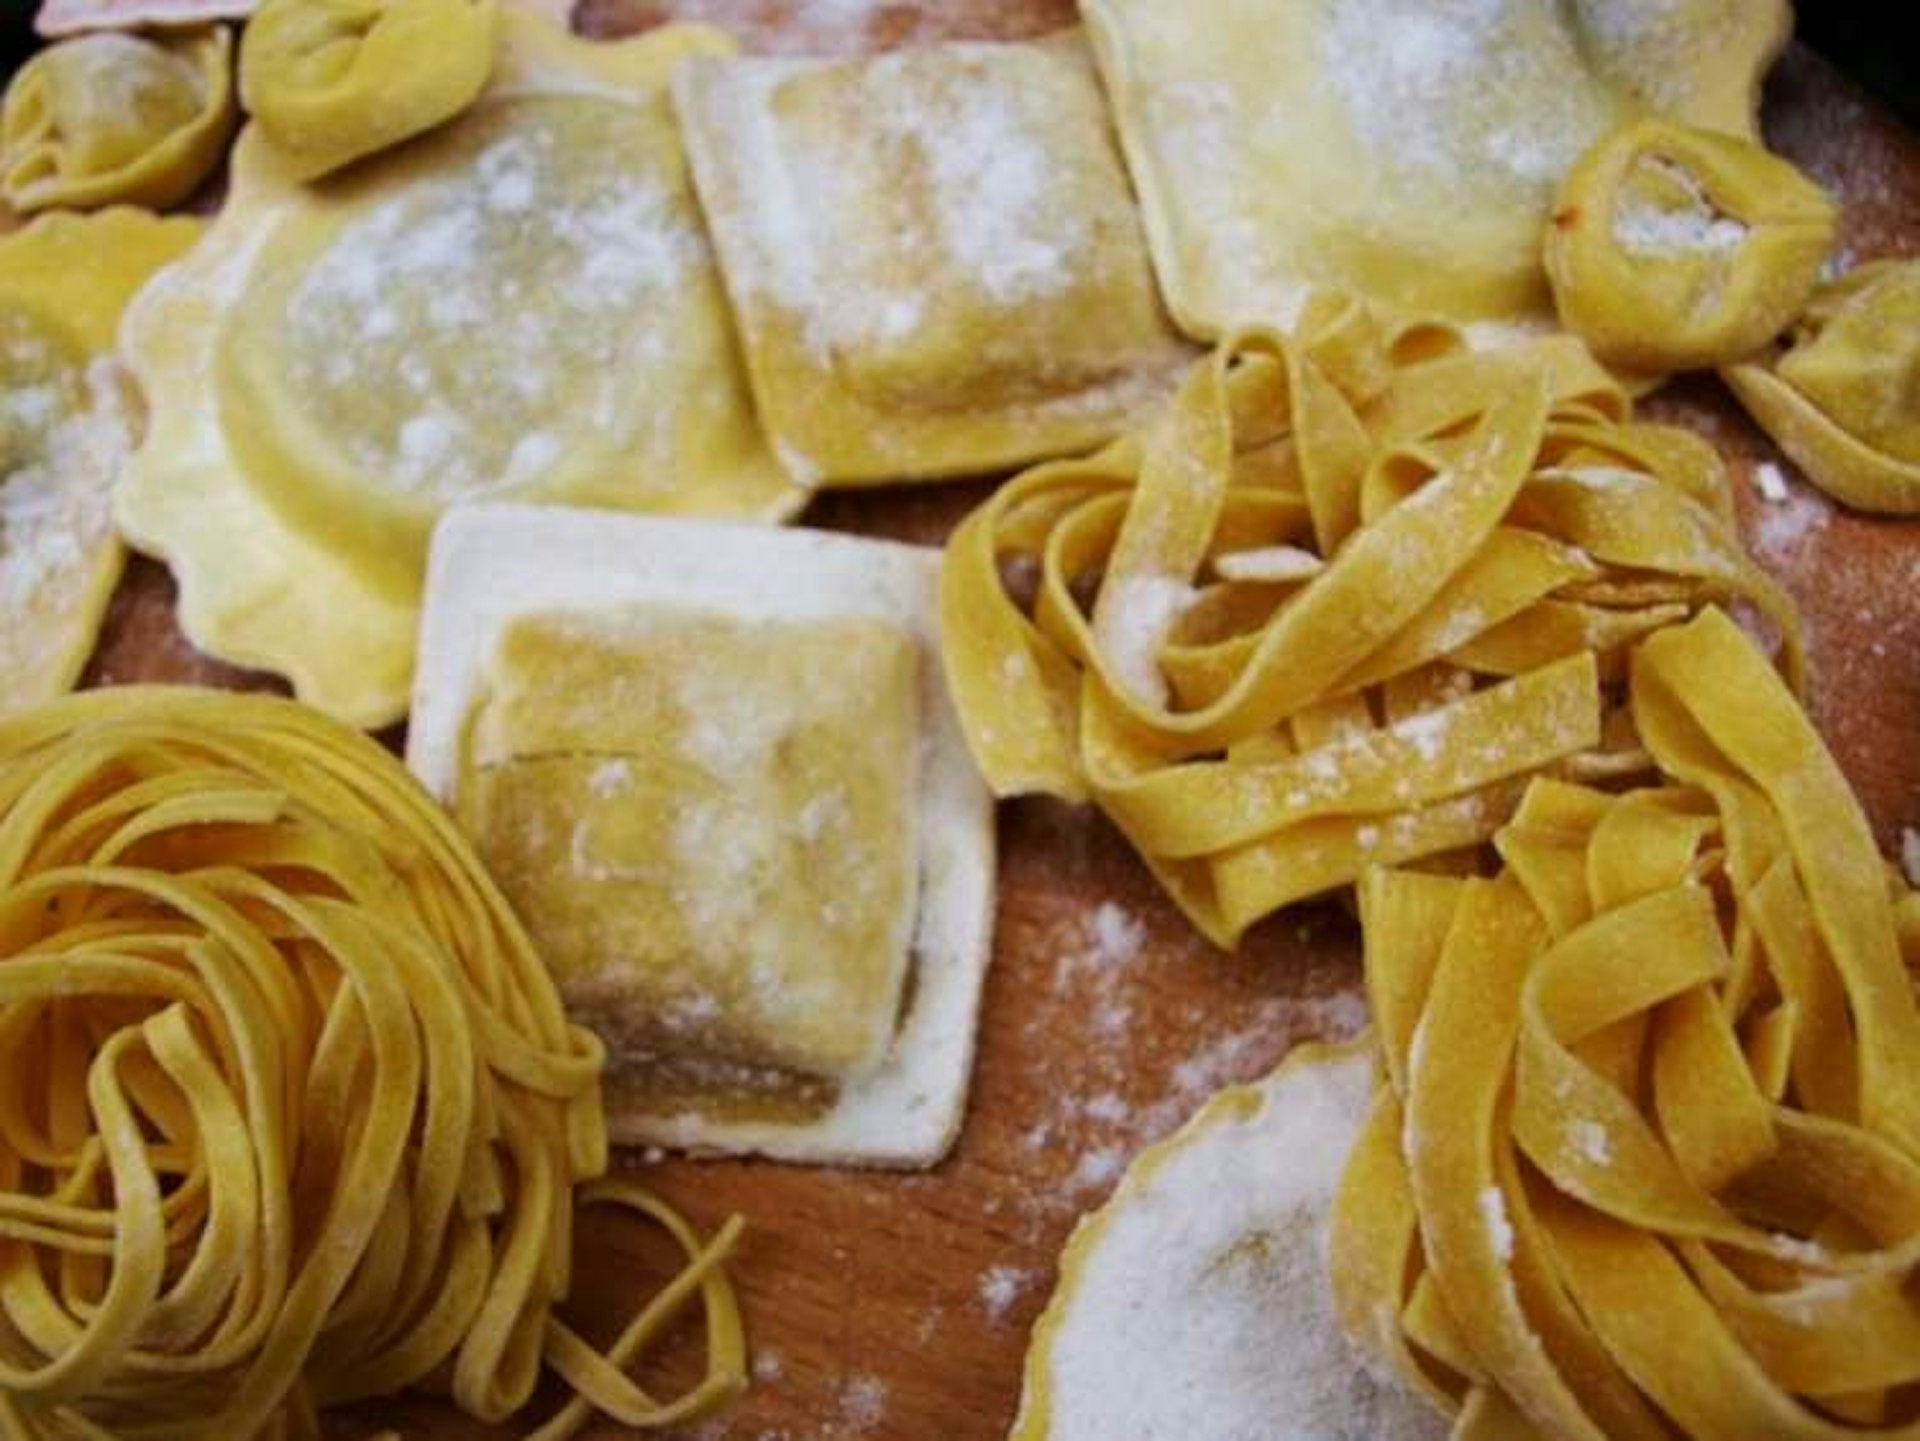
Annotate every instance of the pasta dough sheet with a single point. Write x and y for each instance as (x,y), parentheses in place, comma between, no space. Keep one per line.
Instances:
(1404,150)
(934,256)
(719,767)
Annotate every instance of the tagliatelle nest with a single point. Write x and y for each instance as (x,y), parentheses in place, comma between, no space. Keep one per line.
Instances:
(1645,1158)
(289,1110)
(1336,604)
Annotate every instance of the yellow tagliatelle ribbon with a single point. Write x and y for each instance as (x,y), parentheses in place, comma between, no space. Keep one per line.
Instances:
(1842,400)
(289,1110)
(1646,1153)
(115,118)
(1347,592)
(1674,248)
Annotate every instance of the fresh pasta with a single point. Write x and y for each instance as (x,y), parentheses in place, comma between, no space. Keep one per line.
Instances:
(333,81)
(1646,1149)
(1674,248)
(290,1113)
(112,118)
(1840,398)
(1335,604)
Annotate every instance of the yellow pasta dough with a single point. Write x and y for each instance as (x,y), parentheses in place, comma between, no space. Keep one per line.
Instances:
(518,305)
(1843,399)
(112,118)
(67,423)
(1672,248)
(1646,1153)
(333,81)
(1487,535)
(1404,150)
(290,1112)
(934,255)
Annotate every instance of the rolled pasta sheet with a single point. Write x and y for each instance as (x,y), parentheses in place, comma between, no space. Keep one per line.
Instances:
(1841,399)
(1646,1137)
(290,1113)
(1335,603)
(117,119)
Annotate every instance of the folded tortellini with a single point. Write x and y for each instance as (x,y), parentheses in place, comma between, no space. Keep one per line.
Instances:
(114,118)
(1673,248)
(332,81)
(67,423)
(1843,398)
(1336,604)
(519,305)
(1403,150)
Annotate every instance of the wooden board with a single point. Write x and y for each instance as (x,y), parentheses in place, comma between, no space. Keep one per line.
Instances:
(897,1307)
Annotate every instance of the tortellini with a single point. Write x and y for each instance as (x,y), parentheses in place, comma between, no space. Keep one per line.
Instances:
(109,118)
(1673,248)
(1843,400)
(333,81)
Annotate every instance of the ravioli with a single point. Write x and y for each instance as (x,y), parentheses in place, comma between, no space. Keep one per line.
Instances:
(1403,150)
(936,262)
(517,305)
(66,426)
(113,118)
(708,825)
(717,771)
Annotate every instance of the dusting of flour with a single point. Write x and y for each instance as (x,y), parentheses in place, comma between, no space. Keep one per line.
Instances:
(1205,1294)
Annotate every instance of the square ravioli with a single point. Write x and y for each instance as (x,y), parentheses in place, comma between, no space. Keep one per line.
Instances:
(933,255)
(1405,151)
(716,770)
(708,826)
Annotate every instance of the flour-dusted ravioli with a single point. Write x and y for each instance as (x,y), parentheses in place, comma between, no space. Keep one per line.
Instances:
(520,305)
(67,423)
(934,256)
(708,825)
(1404,150)
(717,772)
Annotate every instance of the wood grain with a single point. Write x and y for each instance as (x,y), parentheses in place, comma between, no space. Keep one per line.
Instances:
(887,1306)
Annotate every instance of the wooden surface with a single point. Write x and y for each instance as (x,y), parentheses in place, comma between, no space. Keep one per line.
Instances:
(888,1306)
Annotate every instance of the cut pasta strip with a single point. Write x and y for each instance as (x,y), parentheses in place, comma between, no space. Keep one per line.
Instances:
(293,1114)
(1652,1184)
(1489,534)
